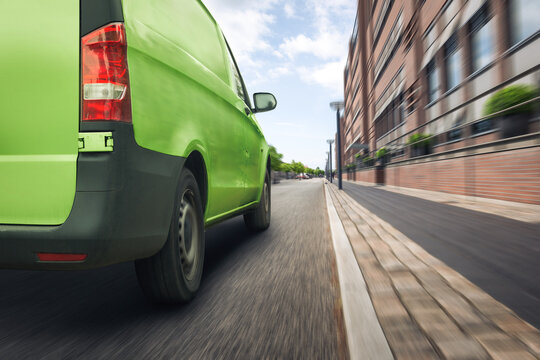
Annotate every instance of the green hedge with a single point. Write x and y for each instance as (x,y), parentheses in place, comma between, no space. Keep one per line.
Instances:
(382,152)
(419,140)
(511,96)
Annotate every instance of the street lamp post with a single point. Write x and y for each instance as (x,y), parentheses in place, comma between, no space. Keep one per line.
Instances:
(338,106)
(330,142)
(327,165)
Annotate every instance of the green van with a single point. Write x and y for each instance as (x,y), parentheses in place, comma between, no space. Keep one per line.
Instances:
(125,131)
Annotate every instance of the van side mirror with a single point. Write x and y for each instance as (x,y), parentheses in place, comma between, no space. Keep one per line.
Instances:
(264,102)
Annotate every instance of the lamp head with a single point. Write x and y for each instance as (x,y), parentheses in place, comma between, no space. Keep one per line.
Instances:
(330,141)
(337,105)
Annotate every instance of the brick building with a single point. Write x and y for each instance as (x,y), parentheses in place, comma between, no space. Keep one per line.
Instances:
(428,67)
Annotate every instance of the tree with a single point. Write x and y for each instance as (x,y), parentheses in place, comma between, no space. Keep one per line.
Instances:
(286,168)
(275,158)
(298,167)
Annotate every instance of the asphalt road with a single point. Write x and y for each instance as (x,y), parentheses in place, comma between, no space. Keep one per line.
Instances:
(500,255)
(269,295)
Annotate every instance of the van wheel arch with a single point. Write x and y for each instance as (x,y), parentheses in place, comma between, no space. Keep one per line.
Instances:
(195,163)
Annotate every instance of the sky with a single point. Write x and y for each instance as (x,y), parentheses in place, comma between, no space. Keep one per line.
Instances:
(295,49)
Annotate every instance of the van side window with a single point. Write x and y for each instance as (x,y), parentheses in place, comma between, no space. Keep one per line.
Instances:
(238,82)
(239,87)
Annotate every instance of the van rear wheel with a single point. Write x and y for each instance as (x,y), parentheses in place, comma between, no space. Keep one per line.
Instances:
(173,275)
(259,219)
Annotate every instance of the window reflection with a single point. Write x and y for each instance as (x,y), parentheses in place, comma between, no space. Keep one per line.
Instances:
(525,19)
(433,81)
(481,40)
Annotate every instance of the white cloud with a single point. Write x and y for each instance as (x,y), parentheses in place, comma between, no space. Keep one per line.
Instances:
(325,45)
(329,75)
(289,10)
(328,38)
(250,30)
(246,26)
(279,71)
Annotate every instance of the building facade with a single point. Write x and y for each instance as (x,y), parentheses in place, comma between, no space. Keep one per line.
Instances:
(428,68)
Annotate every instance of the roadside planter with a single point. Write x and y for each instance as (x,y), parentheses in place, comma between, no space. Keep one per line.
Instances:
(420,144)
(513,122)
(383,156)
(368,161)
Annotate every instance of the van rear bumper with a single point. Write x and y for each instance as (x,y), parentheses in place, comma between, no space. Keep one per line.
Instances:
(121,212)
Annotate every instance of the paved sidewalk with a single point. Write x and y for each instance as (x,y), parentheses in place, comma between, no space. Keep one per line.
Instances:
(426,309)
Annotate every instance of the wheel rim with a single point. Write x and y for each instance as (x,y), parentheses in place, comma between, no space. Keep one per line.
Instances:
(188,235)
(266,195)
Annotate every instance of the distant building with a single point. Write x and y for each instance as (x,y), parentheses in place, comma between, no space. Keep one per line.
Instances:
(428,67)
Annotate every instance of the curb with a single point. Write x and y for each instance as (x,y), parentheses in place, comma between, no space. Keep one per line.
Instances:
(365,337)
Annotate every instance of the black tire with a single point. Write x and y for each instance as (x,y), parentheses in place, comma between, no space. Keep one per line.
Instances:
(173,275)
(259,219)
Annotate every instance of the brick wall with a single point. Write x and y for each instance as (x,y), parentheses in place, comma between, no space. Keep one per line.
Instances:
(373,175)
(507,175)
(366,175)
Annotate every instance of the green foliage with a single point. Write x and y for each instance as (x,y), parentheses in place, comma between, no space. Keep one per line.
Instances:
(285,167)
(275,158)
(298,167)
(350,166)
(382,152)
(419,140)
(357,155)
(367,159)
(511,96)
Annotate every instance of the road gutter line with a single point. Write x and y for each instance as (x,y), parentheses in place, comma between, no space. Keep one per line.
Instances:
(365,337)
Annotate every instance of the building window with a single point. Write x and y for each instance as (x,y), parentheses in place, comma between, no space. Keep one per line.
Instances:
(381,20)
(524,15)
(390,48)
(391,117)
(354,36)
(482,126)
(481,40)
(456,132)
(452,63)
(433,81)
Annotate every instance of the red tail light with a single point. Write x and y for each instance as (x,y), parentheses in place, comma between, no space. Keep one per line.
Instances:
(61,257)
(105,76)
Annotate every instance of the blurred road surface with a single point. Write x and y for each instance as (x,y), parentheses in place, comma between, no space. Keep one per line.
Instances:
(269,295)
(500,255)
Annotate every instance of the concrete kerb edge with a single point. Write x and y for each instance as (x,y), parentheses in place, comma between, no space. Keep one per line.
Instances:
(365,336)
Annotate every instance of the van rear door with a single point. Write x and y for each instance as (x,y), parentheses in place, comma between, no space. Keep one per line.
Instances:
(39,110)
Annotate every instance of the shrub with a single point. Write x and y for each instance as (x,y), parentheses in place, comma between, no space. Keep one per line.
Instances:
(357,155)
(511,96)
(382,152)
(419,140)
(367,159)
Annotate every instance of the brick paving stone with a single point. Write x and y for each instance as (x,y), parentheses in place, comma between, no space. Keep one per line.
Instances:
(462,349)
(419,303)
(406,340)
(405,283)
(388,305)
(502,346)
(437,325)
(391,264)
(511,323)
(531,339)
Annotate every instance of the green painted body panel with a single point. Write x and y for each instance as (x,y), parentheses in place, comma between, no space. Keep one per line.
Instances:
(183,99)
(39,102)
